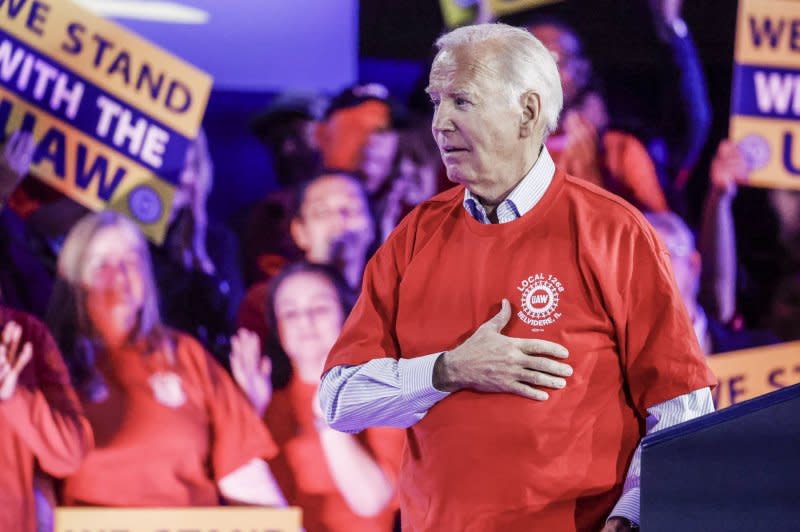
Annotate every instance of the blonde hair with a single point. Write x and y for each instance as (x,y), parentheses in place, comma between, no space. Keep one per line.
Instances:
(67,315)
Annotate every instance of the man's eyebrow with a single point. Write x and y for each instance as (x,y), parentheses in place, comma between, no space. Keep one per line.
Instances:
(461,92)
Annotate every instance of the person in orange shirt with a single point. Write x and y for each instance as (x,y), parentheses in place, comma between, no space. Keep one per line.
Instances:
(42,426)
(170,426)
(352,116)
(343,482)
(583,144)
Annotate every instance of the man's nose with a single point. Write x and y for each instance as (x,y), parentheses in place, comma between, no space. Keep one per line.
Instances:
(441,119)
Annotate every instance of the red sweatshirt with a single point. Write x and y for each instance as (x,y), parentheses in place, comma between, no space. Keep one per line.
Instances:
(583,269)
(302,471)
(41,423)
(167,432)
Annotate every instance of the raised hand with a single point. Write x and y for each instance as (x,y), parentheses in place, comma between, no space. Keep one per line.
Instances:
(15,161)
(728,168)
(252,372)
(488,361)
(12,363)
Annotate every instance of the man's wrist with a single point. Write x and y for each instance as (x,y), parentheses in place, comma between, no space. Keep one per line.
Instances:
(620,523)
(443,378)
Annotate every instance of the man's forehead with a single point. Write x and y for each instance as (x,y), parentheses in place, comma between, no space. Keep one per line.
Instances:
(461,67)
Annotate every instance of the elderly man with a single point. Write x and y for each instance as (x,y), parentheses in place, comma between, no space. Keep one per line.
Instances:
(503,434)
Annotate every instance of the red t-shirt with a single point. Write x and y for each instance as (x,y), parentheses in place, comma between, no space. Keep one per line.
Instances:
(41,423)
(301,468)
(167,432)
(582,268)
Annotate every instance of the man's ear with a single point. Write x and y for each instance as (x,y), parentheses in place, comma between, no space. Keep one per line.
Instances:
(297,230)
(531,113)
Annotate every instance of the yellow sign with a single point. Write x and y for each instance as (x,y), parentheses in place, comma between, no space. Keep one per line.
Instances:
(752,372)
(112,114)
(223,519)
(461,12)
(765,98)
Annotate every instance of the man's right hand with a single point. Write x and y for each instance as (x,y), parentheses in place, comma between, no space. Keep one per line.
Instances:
(488,361)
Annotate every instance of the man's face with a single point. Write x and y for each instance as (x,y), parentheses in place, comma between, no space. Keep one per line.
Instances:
(573,67)
(475,123)
(334,221)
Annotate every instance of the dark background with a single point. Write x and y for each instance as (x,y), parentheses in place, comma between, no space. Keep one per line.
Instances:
(395,46)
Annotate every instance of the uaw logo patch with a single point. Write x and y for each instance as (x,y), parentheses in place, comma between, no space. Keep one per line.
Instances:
(167,389)
(540,295)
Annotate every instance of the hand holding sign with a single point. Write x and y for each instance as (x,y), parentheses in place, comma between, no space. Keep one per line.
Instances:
(15,160)
(728,168)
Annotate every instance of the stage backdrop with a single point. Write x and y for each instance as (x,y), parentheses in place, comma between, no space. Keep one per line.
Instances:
(247,45)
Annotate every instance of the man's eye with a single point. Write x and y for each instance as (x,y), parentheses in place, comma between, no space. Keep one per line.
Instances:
(461,102)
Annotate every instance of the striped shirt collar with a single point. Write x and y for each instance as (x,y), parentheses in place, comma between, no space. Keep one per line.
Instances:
(523,198)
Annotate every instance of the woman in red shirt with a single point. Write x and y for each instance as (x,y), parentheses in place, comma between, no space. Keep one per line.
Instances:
(41,423)
(171,428)
(342,482)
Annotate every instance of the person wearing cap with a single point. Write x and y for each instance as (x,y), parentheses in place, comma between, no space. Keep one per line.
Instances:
(351,117)
(524,327)
(286,128)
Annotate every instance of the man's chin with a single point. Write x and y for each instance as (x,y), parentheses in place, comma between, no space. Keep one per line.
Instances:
(455,175)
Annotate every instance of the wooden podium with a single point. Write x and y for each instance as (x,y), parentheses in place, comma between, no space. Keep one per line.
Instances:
(218,519)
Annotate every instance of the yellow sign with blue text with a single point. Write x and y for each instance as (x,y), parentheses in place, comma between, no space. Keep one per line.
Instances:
(112,114)
(765,97)
(222,519)
(752,372)
(461,12)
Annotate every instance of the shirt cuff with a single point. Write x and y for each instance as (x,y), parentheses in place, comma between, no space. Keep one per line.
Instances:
(628,506)
(416,381)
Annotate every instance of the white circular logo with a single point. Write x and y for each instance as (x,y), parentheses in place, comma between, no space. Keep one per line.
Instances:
(540,297)
(167,389)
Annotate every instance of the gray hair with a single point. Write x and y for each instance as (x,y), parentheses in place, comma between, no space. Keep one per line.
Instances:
(524,60)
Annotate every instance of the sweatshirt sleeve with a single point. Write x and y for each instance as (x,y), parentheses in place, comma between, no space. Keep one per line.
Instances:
(45,411)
